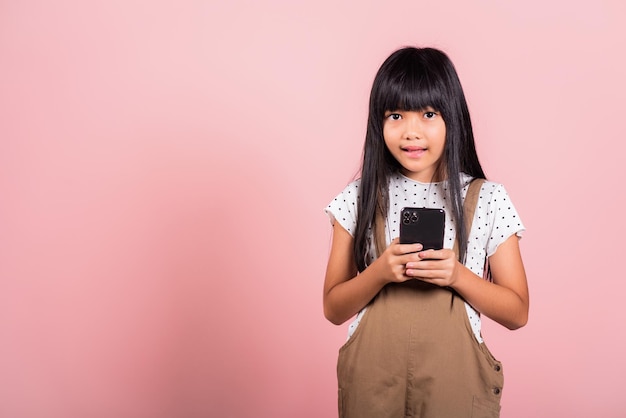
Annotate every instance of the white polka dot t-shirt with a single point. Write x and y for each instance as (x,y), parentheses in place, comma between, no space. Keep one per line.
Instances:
(495,220)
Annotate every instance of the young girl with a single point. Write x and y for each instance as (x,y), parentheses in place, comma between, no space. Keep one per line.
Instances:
(415,347)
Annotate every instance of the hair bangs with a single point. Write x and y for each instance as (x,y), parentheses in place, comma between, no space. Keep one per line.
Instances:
(413,95)
(411,88)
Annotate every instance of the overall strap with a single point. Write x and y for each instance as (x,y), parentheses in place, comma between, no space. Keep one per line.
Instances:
(469,207)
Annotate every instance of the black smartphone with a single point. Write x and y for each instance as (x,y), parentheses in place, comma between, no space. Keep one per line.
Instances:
(425,226)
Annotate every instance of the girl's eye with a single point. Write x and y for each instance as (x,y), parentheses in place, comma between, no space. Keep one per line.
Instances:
(394,116)
(430,115)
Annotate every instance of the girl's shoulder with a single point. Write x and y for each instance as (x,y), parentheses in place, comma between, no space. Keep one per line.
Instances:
(494,201)
(493,191)
(351,189)
(488,187)
(348,196)
(343,207)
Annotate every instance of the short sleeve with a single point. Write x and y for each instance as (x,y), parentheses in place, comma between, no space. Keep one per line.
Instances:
(342,208)
(503,218)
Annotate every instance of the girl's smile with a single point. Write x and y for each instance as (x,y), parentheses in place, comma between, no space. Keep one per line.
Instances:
(416,139)
(414,151)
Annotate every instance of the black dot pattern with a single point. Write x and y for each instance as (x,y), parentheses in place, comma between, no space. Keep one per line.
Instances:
(495,219)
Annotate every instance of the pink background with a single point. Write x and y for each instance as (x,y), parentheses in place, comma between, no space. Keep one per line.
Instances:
(164,166)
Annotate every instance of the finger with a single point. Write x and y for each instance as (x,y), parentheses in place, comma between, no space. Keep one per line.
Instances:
(396,243)
(423,275)
(426,275)
(433,254)
(413,273)
(426,264)
(409,248)
(418,269)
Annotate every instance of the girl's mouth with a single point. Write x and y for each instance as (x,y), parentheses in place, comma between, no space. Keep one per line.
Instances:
(414,152)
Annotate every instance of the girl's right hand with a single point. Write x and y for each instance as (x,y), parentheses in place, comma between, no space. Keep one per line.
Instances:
(346,291)
(391,265)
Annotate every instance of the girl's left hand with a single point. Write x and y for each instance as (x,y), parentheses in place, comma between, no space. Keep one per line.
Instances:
(438,267)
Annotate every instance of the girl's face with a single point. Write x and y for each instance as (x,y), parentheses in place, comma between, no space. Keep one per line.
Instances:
(416,139)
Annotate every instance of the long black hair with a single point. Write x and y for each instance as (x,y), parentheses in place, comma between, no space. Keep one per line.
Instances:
(414,79)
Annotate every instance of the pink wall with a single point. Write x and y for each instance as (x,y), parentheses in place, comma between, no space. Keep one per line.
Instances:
(164,166)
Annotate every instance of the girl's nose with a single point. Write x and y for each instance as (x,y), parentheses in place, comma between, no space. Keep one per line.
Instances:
(412,128)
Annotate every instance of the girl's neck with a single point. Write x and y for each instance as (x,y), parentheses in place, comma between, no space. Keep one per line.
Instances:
(436,177)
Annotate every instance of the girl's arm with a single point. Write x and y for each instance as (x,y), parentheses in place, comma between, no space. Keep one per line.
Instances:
(505,300)
(345,291)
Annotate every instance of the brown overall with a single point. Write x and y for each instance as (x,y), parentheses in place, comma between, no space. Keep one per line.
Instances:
(414,354)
